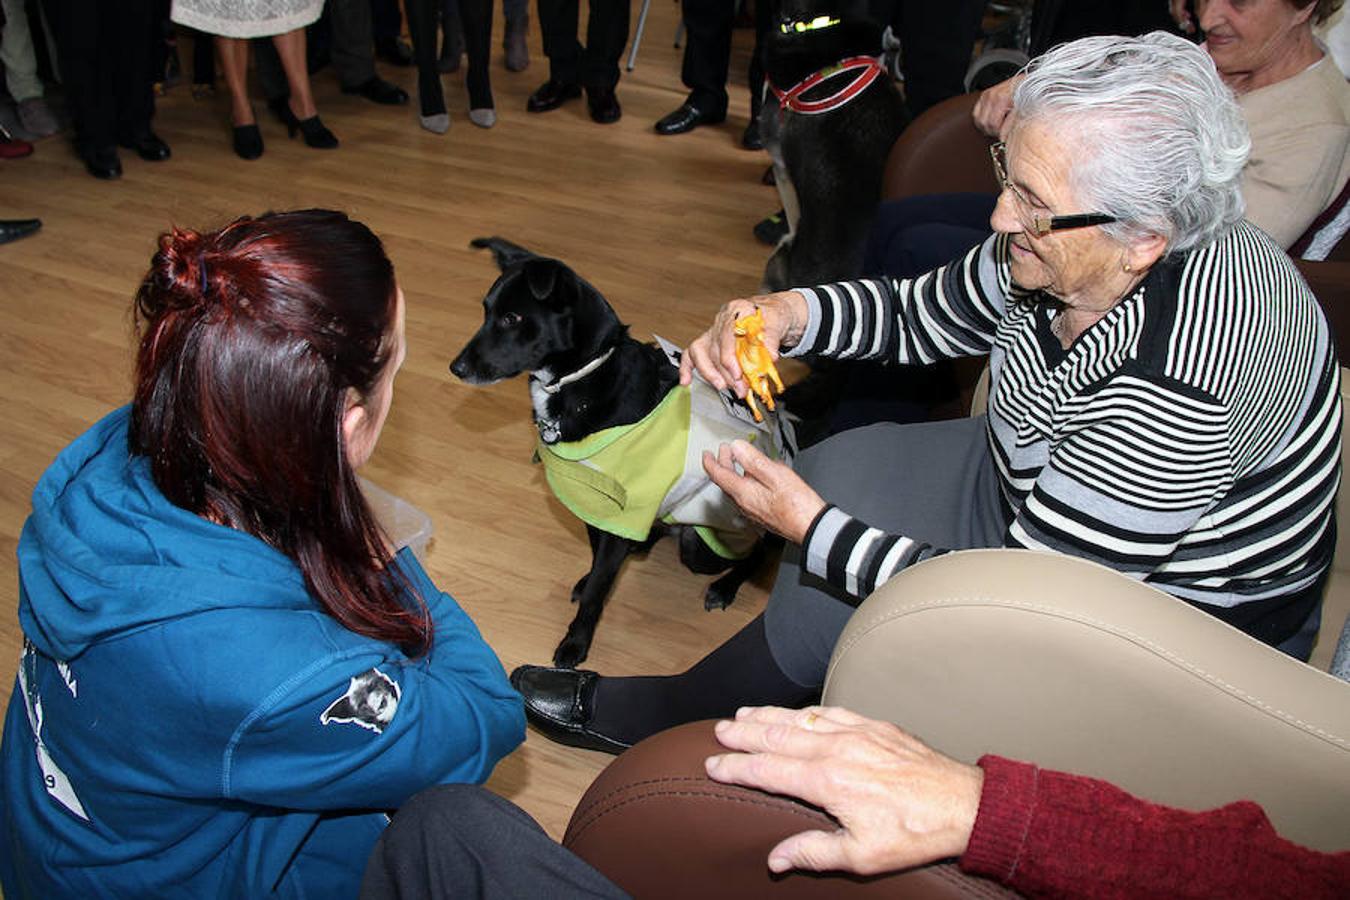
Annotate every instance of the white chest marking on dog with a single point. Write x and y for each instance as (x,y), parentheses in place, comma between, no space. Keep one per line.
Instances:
(539,396)
(543,385)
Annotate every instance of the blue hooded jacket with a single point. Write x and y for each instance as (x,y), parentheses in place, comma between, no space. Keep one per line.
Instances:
(188,722)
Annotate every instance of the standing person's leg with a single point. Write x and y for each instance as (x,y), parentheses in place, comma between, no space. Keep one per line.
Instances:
(85,74)
(134,31)
(304,115)
(766,12)
(387,28)
(476,16)
(430,96)
(517,14)
(233,56)
(558,28)
(606,35)
(460,840)
(19,61)
(936,43)
(353,55)
(707,55)
(353,43)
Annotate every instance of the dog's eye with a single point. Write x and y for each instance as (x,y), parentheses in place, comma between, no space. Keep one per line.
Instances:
(509,319)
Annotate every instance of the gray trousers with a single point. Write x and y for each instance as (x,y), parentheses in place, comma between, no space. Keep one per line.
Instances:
(932,481)
(460,840)
(353,50)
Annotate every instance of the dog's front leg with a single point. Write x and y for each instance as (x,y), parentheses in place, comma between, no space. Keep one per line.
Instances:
(608,552)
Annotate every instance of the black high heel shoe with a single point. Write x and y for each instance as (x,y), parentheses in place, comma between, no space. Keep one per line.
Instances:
(248,143)
(314,132)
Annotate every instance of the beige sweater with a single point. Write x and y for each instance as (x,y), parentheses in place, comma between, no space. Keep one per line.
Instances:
(1300,130)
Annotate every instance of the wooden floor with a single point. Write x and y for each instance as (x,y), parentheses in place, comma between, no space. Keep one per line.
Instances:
(662,225)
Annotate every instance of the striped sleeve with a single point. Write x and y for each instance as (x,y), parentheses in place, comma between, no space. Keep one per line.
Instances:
(950,312)
(1123,489)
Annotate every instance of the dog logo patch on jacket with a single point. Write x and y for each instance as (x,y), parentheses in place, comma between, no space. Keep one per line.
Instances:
(371,701)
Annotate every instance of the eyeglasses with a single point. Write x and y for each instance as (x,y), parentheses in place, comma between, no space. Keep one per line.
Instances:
(1039,225)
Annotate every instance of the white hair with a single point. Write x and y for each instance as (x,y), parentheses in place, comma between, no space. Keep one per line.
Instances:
(1155,137)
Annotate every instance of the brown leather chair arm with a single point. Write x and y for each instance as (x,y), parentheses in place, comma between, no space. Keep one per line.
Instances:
(940,152)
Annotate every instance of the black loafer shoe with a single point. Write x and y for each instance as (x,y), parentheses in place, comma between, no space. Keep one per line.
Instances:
(102,163)
(551,95)
(148,147)
(750,138)
(558,704)
(13,229)
(604,105)
(377,90)
(686,118)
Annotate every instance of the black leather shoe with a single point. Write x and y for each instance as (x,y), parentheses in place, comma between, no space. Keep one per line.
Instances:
(148,147)
(604,105)
(558,704)
(686,118)
(248,143)
(750,138)
(377,90)
(13,229)
(102,163)
(551,95)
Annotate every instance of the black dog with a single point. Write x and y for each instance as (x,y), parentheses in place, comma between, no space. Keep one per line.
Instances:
(586,375)
(828,156)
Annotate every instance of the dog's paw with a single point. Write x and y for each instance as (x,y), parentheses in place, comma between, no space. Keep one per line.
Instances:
(571,652)
(717,597)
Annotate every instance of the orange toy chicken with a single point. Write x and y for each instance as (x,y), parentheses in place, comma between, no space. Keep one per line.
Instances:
(756,362)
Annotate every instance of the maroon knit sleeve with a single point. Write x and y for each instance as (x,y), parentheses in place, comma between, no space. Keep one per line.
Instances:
(1051,834)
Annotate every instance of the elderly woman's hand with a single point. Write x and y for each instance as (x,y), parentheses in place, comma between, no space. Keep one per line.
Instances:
(993,111)
(713,353)
(767,491)
(901,803)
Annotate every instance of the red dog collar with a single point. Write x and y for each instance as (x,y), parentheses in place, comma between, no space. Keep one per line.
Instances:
(867,67)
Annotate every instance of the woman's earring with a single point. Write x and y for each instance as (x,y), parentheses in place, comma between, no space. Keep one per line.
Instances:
(1126,267)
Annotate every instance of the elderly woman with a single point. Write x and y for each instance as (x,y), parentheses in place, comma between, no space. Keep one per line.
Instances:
(1163,397)
(1295,100)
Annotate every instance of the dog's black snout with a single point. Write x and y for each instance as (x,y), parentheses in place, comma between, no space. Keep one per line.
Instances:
(459,368)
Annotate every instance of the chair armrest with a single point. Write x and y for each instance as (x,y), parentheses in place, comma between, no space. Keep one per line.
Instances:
(657,826)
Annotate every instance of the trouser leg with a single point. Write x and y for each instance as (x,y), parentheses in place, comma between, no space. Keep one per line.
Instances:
(353,41)
(17,55)
(707,53)
(606,35)
(476,16)
(464,841)
(558,27)
(85,71)
(131,32)
(931,481)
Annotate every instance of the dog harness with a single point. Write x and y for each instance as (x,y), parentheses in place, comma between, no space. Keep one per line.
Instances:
(624,479)
(868,69)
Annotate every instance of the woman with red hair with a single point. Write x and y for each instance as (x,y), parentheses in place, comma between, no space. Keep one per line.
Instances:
(229,675)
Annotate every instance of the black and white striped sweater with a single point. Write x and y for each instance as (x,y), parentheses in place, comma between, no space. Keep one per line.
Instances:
(1191,438)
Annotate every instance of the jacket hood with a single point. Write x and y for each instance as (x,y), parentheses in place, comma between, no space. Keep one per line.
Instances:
(104,553)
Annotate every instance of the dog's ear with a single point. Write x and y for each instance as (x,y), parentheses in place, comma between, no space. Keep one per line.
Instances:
(503,251)
(542,276)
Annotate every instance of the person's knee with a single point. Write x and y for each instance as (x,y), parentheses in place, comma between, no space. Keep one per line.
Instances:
(441,809)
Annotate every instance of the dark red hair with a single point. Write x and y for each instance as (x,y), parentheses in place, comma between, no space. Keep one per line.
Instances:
(251,338)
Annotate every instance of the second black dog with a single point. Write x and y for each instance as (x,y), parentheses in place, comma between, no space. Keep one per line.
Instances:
(829,134)
(586,375)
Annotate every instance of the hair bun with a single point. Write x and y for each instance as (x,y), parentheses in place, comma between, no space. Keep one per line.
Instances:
(178,276)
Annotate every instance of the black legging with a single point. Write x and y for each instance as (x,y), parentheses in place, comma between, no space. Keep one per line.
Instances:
(477,18)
